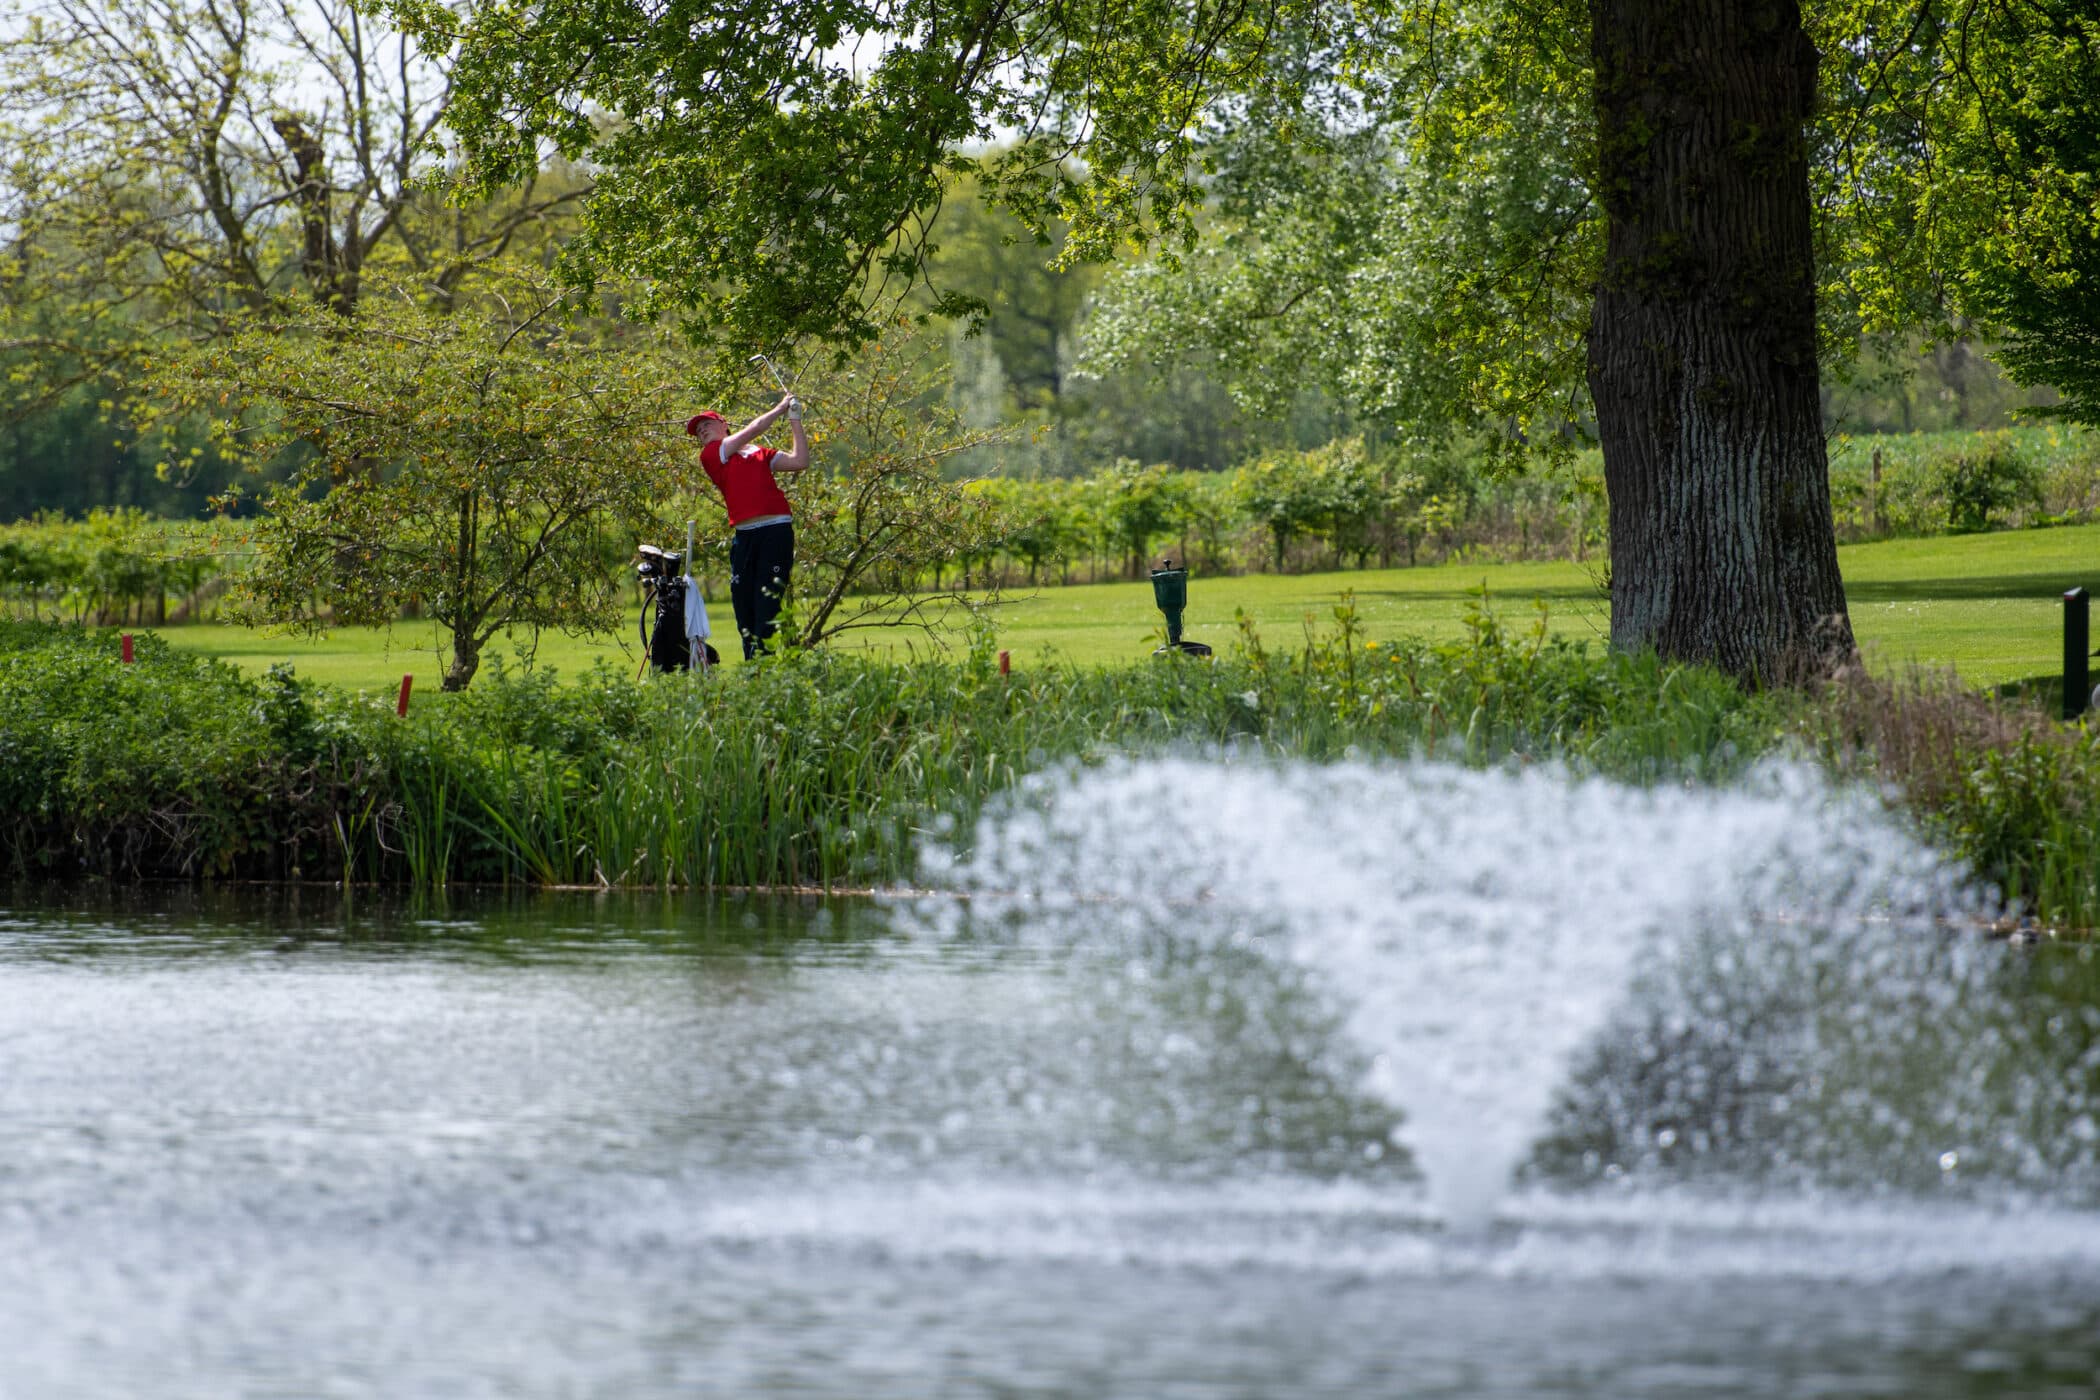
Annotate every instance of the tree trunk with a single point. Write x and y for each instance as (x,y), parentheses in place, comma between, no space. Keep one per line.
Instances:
(1702,344)
(464,620)
(317,254)
(466,660)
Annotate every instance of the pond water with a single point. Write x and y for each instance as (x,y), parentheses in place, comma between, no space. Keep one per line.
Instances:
(1179,1079)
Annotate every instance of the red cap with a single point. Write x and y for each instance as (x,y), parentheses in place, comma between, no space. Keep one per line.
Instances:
(692,424)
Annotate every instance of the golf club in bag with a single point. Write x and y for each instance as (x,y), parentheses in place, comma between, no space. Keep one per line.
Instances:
(678,640)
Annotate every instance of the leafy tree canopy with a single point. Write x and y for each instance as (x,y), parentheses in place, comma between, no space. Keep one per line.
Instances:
(174,160)
(878,518)
(770,169)
(1434,262)
(1965,144)
(174,165)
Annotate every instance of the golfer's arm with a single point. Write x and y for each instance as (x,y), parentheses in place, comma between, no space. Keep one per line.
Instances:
(798,459)
(736,442)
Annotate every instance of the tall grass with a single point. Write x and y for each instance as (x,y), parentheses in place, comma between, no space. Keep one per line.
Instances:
(812,769)
(815,769)
(2000,783)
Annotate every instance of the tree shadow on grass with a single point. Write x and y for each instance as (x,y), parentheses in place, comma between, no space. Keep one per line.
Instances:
(1556,593)
(2042,692)
(2040,585)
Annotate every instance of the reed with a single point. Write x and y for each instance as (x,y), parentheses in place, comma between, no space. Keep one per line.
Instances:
(825,770)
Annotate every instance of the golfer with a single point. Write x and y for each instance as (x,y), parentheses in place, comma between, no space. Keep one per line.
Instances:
(762,552)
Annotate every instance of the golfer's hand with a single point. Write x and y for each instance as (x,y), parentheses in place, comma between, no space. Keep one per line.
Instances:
(787,402)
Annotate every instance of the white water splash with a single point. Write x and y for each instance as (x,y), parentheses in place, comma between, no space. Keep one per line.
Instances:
(1353,1230)
(1475,928)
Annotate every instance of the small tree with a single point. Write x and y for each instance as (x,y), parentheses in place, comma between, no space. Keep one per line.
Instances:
(482,465)
(1039,528)
(1356,503)
(1137,505)
(1208,515)
(876,518)
(1282,492)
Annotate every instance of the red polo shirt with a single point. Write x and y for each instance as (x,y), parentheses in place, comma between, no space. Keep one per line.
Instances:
(746,482)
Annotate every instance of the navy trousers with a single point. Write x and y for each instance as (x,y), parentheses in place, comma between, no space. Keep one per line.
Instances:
(761,562)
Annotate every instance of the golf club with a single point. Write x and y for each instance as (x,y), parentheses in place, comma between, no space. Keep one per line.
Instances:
(770,369)
(794,404)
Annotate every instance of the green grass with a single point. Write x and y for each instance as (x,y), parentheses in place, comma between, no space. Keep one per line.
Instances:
(1987,605)
(1991,606)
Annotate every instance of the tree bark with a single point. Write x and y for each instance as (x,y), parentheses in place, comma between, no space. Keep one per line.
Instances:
(1702,342)
(466,660)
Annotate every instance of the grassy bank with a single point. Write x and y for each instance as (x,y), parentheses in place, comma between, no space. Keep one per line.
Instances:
(1985,605)
(822,769)
(814,769)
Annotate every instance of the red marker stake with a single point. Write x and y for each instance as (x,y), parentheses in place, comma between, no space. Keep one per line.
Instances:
(1006,663)
(401,705)
(127,648)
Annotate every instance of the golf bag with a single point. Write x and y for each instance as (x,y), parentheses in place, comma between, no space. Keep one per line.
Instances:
(671,599)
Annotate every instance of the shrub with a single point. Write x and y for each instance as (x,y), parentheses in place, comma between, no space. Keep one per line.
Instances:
(103,766)
(115,565)
(1988,477)
(1932,482)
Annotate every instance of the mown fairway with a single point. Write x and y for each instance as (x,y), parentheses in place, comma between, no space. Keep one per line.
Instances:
(1988,605)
